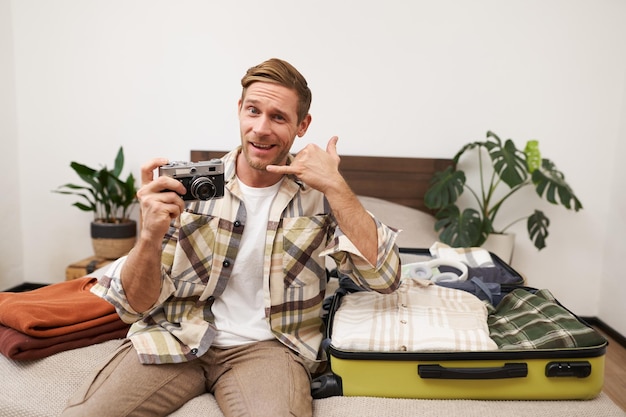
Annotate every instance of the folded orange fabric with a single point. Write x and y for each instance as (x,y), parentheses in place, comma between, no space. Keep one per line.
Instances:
(19,346)
(56,309)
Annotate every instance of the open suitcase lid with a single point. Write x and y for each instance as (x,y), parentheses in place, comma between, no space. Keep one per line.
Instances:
(506,274)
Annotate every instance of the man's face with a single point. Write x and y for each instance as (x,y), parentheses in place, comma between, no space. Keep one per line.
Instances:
(268,123)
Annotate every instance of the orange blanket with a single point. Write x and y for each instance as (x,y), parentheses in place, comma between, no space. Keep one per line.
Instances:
(19,346)
(56,309)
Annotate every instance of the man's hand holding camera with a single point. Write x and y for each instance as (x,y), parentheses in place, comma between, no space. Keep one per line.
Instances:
(203,180)
(163,199)
(158,209)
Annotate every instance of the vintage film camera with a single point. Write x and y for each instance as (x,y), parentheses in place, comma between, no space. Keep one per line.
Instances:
(203,180)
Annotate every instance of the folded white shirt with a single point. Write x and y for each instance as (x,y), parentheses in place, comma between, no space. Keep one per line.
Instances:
(419,316)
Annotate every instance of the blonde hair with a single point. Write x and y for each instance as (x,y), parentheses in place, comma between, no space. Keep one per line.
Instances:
(280,72)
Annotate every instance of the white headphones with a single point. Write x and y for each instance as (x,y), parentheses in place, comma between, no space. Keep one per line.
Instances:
(425,270)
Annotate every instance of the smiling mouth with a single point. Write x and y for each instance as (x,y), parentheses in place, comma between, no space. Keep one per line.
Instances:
(261,146)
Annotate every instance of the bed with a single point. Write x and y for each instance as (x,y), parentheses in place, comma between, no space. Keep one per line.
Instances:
(392,189)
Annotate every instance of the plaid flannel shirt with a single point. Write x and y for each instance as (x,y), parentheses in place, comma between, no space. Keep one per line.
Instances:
(198,255)
(523,320)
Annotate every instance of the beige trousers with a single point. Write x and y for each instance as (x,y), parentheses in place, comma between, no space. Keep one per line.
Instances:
(260,379)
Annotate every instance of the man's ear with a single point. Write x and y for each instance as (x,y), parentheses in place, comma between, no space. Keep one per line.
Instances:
(304,125)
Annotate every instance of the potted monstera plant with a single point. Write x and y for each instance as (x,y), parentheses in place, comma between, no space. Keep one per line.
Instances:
(503,170)
(111,199)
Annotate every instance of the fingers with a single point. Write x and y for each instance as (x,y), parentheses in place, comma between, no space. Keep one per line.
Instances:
(152,185)
(157,219)
(311,156)
(158,208)
(168,204)
(280,169)
(147,170)
(159,199)
(331,148)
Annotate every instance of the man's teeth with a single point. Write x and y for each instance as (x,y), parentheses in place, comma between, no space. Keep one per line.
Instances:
(258,145)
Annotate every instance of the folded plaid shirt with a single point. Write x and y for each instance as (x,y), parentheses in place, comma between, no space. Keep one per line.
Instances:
(419,316)
(198,254)
(523,320)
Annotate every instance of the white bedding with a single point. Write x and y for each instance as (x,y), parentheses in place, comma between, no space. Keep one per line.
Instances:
(40,389)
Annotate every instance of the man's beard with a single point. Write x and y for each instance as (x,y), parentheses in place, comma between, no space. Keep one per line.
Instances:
(260,164)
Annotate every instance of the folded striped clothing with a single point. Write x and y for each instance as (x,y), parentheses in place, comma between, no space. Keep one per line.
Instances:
(527,320)
(419,316)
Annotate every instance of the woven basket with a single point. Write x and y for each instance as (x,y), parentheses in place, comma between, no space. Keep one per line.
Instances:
(111,241)
(112,248)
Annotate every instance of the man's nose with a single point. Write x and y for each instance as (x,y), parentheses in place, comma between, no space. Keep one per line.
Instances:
(261,126)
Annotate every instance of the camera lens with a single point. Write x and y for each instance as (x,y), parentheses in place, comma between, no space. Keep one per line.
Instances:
(202,188)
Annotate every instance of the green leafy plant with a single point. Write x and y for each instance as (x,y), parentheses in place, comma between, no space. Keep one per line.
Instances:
(109,197)
(510,167)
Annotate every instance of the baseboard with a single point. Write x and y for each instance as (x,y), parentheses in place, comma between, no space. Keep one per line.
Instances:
(25,286)
(614,334)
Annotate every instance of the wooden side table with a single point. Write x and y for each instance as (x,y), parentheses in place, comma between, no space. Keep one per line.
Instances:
(85,266)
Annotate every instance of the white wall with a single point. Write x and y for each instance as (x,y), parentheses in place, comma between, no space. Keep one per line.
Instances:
(11,258)
(393,78)
(613,289)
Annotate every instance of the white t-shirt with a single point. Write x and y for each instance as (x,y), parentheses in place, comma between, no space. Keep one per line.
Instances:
(240,312)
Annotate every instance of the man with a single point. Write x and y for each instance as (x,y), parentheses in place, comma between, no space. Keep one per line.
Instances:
(226,294)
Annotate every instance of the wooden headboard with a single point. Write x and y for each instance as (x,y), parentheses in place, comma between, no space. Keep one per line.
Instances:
(399,180)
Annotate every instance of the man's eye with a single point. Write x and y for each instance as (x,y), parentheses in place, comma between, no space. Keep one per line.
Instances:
(253,110)
(279,118)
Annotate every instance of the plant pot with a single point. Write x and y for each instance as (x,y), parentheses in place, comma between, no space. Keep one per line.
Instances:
(112,240)
(502,244)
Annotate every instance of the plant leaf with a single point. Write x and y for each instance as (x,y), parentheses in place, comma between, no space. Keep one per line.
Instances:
(537,225)
(111,197)
(82,170)
(508,162)
(551,181)
(91,201)
(119,162)
(87,174)
(84,207)
(70,186)
(445,187)
(461,229)
(533,156)
(464,149)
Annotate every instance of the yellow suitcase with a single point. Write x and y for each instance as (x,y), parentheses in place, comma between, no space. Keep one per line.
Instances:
(528,374)
(560,374)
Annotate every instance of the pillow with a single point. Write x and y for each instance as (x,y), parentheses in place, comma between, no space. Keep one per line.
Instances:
(418,227)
